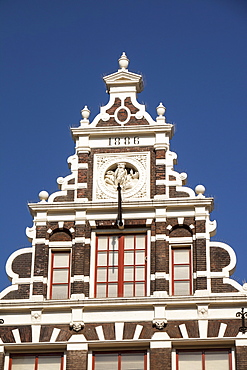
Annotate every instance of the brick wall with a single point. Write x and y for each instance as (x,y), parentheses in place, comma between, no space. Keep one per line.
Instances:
(76,360)
(160,359)
(241,358)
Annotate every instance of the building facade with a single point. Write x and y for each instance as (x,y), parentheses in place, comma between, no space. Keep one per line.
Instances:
(122,273)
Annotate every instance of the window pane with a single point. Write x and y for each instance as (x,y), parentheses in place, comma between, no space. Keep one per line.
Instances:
(101,274)
(140,241)
(128,273)
(49,363)
(112,290)
(181,255)
(60,276)
(102,259)
(106,361)
(181,272)
(132,361)
(128,290)
(191,361)
(140,289)
(140,257)
(113,274)
(61,259)
(23,363)
(181,288)
(113,258)
(217,360)
(129,242)
(113,243)
(102,242)
(140,273)
(60,291)
(128,258)
(101,291)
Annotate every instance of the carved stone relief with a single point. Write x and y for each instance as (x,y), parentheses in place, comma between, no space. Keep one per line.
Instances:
(131,171)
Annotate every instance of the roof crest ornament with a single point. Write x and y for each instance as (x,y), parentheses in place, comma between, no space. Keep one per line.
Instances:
(123,61)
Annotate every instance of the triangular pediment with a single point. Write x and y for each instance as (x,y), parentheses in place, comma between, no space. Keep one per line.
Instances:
(124,77)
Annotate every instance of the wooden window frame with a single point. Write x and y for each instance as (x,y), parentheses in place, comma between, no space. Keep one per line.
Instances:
(173,249)
(120,282)
(203,352)
(53,253)
(144,352)
(36,358)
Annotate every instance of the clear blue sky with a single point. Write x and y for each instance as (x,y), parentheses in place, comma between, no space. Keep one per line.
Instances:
(193,56)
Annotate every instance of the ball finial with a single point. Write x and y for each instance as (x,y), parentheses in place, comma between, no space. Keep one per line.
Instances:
(200,190)
(123,61)
(43,195)
(161,110)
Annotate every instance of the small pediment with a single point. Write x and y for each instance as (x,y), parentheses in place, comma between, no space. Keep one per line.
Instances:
(124,77)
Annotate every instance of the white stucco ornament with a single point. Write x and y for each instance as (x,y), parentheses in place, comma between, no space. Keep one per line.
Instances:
(123,61)
(160,110)
(200,190)
(43,195)
(245,286)
(85,112)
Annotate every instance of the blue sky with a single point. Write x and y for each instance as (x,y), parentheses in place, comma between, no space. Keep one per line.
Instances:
(193,56)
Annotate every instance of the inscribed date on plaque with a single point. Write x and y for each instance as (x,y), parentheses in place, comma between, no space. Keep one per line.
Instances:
(127,140)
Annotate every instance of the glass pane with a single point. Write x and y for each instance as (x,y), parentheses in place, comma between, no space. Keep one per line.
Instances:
(113,243)
(60,276)
(101,291)
(61,259)
(129,242)
(129,258)
(181,272)
(101,274)
(23,363)
(49,363)
(128,290)
(60,291)
(181,288)
(140,273)
(113,274)
(112,290)
(102,259)
(190,360)
(106,361)
(102,242)
(132,361)
(181,255)
(140,241)
(217,360)
(113,258)
(128,273)
(140,257)
(140,290)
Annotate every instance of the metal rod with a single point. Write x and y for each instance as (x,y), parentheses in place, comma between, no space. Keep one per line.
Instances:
(119,217)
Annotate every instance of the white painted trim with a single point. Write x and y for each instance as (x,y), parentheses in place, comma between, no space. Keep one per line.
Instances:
(222,330)
(54,335)
(12,275)
(100,333)
(36,333)
(183,331)
(16,335)
(137,332)
(119,328)
(77,347)
(203,328)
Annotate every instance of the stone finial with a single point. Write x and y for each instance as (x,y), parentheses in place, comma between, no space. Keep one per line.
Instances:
(161,110)
(123,61)
(85,112)
(43,196)
(200,190)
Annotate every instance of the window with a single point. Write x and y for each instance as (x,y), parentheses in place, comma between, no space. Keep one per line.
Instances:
(120,360)
(220,359)
(120,266)
(181,271)
(36,362)
(60,275)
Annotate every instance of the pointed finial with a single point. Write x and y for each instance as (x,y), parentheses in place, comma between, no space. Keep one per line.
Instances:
(123,61)
(85,112)
(161,110)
